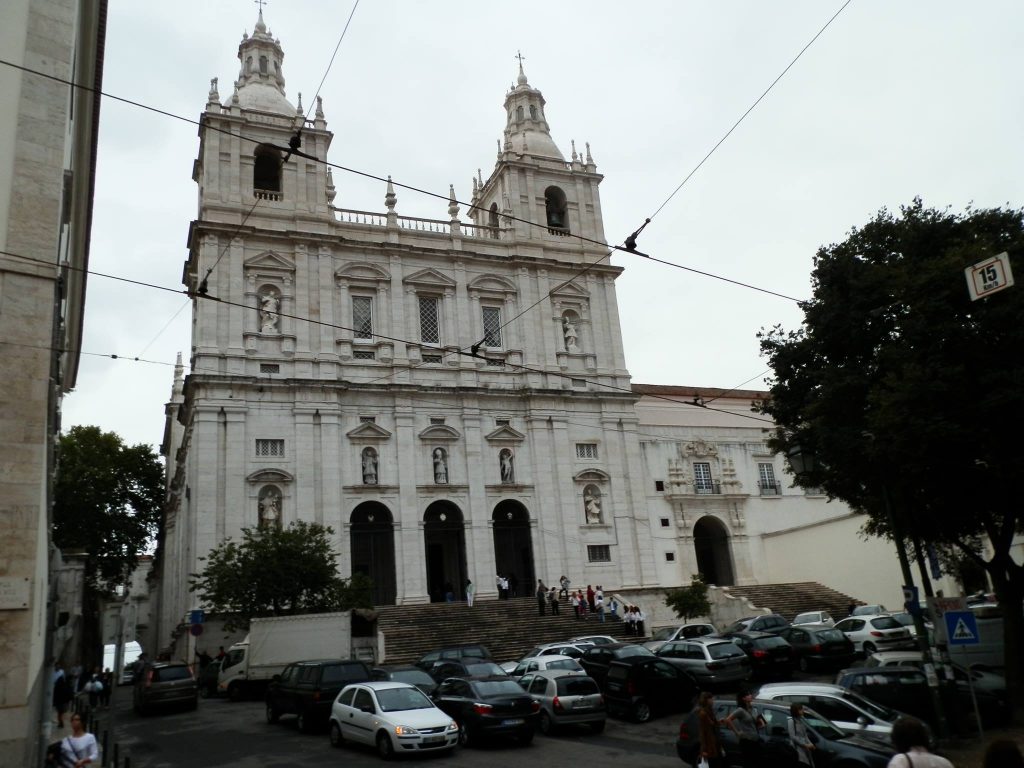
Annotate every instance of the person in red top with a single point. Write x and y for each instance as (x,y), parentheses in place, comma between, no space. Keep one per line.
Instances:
(590,598)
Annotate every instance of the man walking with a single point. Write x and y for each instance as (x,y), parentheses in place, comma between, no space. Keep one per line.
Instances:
(542,596)
(553,601)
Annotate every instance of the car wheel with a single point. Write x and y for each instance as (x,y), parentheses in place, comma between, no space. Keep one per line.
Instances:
(804,664)
(598,727)
(337,740)
(303,722)
(465,739)
(869,648)
(641,711)
(546,726)
(272,714)
(384,746)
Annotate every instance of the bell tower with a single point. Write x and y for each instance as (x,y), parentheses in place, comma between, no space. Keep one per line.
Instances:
(533,181)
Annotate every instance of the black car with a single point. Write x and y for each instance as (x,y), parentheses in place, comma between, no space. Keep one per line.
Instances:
(308,688)
(771,657)
(832,745)
(474,651)
(405,673)
(488,706)
(595,660)
(467,667)
(163,684)
(773,623)
(819,646)
(642,687)
(208,679)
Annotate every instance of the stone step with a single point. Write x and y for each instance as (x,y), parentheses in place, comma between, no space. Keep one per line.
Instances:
(789,599)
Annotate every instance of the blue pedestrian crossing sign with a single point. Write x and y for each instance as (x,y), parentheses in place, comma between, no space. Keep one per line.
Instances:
(961,628)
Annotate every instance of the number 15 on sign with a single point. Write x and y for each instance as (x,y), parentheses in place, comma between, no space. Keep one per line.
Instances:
(989,276)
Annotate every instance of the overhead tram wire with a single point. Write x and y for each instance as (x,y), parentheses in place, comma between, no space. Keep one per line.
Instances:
(228,302)
(331,62)
(733,389)
(400,185)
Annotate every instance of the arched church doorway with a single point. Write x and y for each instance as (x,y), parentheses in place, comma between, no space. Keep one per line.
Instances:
(372,540)
(714,560)
(444,541)
(513,546)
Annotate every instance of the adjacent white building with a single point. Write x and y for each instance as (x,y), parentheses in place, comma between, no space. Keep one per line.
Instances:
(450,396)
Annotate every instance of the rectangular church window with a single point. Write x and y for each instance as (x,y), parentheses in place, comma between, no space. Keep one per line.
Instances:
(586,450)
(492,327)
(599,553)
(362,317)
(430,324)
(269,448)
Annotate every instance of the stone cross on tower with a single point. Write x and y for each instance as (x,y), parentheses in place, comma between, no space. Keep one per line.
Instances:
(260,3)
(519,55)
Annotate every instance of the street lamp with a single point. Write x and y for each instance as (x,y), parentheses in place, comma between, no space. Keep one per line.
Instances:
(800,461)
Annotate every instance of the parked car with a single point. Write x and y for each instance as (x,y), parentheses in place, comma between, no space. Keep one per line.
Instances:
(473,650)
(163,684)
(642,687)
(545,663)
(572,650)
(989,683)
(306,689)
(833,745)
(906,688)
(208,679)
(664,635)
(875,633)
(847,709)
(773,623)
(396,718)
(565,699)
(593,640)
(405,673)
(906,619)
(875,609)
(596,659)
(819,646)
(771,657)
(488,706)
(468,667)
(711,661)
(814,617)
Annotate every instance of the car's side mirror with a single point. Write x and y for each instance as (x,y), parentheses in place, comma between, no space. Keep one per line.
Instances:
(275,679)
(862,721)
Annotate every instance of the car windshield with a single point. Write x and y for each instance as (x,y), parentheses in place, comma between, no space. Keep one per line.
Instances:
(401,699)
(340,673)
(823,727)
(724,650)
(770,642)
(564,664)
(166,674)
(870,707)
(830,635)
(576,686)
(737,626)
(663,634)
(497,688)
(903,618)
(806,618)
(484,668)
(885,622)
(412,676)
(632,650)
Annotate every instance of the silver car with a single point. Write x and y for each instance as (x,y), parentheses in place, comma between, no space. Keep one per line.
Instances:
(566,698)
(850,711)
(710,660)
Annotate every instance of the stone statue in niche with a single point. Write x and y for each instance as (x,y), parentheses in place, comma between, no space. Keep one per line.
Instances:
(269,317)
(508,468)
(569,330)
(369,466)
(440,466)
(270,508)
(592,505)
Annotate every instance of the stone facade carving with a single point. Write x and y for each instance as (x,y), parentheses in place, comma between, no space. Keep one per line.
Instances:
(369,465)
(440,458)
(507,462)
(592,505)
(269,508)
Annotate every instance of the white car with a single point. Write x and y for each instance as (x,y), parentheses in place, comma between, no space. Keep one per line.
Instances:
(542,663)
(397,718)
(875,633)
(572,650)
(868,610)
(664,635)
(593,640)
(815,617)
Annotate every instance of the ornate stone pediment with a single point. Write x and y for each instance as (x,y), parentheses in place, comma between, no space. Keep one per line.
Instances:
(439,433)
(270,475)
(505,434)
(699,448)
(592,475)
(492,285)
(361,272)
(570,290)
(270,262)
(368,431)
(429,279)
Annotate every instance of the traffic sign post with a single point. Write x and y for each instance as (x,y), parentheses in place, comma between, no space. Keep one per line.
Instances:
(962,630)
(989,276)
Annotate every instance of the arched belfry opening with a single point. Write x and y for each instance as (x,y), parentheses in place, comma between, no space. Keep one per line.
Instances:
(444,542)
(714,557)
(266,173)
(513,544)
(372,541)
(557,209)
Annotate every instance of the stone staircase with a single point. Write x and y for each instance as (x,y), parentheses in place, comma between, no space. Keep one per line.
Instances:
(508,628)
(797,597)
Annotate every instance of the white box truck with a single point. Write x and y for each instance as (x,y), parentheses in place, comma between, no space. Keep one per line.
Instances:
(275,642)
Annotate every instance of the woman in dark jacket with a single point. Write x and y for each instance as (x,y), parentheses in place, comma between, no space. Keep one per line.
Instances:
(707,729)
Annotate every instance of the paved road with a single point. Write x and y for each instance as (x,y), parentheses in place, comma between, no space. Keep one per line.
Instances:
(221,733)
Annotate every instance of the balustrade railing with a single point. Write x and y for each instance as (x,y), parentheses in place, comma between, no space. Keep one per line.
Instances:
(413,223)
(769,489)
(266,194)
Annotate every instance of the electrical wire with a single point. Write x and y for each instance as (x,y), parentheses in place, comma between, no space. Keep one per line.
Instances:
(331,62)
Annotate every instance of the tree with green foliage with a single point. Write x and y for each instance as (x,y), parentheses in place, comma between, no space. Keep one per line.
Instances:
(277,572)
(690,602)
(107,501)
(908,394)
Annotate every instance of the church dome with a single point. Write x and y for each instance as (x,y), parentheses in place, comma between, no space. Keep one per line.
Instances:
(526,129)
(262,97)
(260,81)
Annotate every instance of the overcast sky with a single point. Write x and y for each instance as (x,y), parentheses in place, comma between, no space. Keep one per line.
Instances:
(893,100)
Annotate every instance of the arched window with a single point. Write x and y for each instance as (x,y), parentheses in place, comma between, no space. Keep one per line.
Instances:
(263,65)
(248,64)
(533,112)
(492,217)
(519,114)
(277,67)
(557,209)
(266,173)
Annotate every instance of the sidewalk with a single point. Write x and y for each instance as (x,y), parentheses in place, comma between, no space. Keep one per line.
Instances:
(968,753)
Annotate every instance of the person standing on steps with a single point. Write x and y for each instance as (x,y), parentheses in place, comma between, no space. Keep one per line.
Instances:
(542,597)
(574,603)
(590,599)
(553,601)
(470,592)
(564,584)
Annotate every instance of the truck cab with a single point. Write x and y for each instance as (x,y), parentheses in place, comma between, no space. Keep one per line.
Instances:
(233,678)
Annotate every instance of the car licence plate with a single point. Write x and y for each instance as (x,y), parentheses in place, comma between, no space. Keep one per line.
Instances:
(434,740)
(513,721)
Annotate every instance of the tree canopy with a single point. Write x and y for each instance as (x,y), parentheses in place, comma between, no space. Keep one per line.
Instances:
(907,393)
(107,500)
(277,572)
(691,601)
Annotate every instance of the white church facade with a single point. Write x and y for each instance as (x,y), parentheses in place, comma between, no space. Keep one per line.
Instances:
(450,396)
